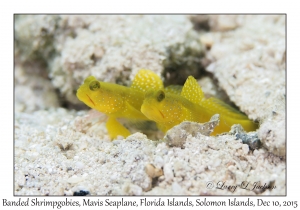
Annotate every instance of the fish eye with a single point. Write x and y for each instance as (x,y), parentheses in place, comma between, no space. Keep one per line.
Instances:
(94,85)
(160,96)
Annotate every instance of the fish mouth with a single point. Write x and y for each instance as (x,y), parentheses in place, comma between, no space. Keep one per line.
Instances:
(91,100)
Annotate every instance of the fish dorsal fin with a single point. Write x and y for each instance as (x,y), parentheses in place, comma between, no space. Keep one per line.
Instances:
(146,80)
(192,91)
(222,108)
(174,89)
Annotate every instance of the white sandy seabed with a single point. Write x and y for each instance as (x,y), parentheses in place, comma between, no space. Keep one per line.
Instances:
(60,151)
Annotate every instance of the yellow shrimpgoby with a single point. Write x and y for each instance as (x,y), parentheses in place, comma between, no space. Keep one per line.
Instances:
(171,107)
(118,101)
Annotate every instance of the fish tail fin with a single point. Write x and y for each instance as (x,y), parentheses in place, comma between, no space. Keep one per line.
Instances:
(249,125)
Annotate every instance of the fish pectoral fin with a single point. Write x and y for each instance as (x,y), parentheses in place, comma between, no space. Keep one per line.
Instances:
(115,128)
(132,113)
(162,127)
(146,80)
